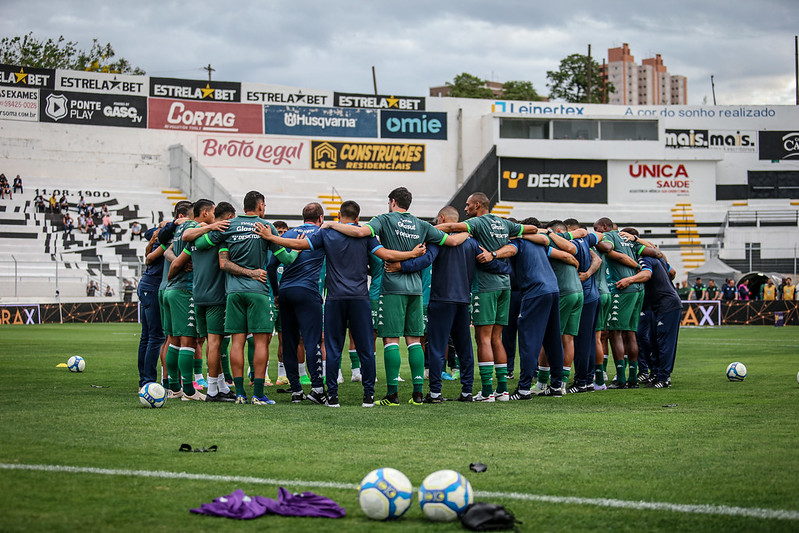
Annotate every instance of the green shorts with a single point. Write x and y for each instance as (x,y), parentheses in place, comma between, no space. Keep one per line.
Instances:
(604,310)
(210,319)
(625,311)
(375,307)
(491,308)
(571,308)
(400,315)
(249,312)
(180,313)
(424,318)
(165,325)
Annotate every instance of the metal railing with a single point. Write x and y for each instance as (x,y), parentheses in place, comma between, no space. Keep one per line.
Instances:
(186,174)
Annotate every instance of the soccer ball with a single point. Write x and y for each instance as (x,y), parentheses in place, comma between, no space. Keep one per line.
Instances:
(385,493)
(76,364)
(152,395)
(736,371)
(444,495)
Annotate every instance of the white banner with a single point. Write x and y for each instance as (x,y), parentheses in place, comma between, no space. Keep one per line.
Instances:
(252,152)
(100,82)
(19,104)
(655,181)
(283,95)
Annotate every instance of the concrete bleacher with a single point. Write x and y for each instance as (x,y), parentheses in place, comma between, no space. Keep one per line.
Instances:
(38,257)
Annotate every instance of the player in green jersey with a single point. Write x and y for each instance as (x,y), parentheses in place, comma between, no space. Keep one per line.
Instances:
(491,301)
(401,296)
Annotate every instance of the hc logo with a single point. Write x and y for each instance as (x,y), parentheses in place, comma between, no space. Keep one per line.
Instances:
(513,178)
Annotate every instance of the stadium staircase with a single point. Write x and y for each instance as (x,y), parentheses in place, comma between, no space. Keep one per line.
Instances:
(688,238)
(38,256)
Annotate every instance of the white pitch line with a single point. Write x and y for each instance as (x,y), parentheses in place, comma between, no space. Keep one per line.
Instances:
(724,510)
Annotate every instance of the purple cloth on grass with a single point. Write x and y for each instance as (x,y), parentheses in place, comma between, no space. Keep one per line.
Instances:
(242,507)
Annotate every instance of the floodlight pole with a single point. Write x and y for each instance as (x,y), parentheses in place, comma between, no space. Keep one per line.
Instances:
(796,66)
(374,79)
(713,87)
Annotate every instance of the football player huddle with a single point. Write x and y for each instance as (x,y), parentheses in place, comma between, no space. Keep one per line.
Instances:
(571,294)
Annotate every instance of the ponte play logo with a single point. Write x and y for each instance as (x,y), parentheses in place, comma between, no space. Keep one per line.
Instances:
(553,180)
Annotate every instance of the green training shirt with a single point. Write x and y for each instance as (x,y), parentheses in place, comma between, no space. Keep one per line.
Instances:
(402,232)
(492,232)
(617,271)
(567,275)
(182,280)
(209,279)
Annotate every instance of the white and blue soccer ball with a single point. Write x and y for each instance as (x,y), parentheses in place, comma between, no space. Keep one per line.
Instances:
(385,494)
(736,371)
(444,495)
(76,363)
(152,395)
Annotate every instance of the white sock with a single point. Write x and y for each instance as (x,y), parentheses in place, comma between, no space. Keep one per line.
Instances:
(318,390)
(435,394)
(213,387)
(198,377)
(303,372)
(356,371)
(281,370)
(221,384)
(324,370)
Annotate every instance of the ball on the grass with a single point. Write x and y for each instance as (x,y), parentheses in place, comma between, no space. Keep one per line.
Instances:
(736,371)
(444,495)
(385,493)
(76,363)
(797,377)
(152,395)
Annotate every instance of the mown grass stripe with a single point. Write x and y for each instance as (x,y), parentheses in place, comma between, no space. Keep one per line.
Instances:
(724,510)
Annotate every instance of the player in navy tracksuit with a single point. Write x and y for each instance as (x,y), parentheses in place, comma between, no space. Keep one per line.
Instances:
(539,319)
(662,299)
(152,334)
(448,310)
(301,308)
(347,302)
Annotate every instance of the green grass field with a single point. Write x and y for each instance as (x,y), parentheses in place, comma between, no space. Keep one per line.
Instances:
(723,444)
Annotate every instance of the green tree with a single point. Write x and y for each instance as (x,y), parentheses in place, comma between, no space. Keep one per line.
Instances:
(466,85)
(28,51)
(519,90)
(570,81)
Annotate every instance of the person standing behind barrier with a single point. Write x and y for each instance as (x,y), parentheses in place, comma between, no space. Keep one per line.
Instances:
(728,292)
(743,291)
(768,291)
(712,292)
(698,290)
(789,290)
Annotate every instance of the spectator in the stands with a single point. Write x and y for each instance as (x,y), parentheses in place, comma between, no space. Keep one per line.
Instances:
(81,204)
(109,291)
(64,203)
(684,291)
(107,227)
(90,225)
(39,203)
(128,291)
(18,183)
(728,292)
(53,204)
(68,224)
(3,179)
(91,211)
(5,190)
(82,223)
(135,231)
(788,290)
(91,289)
(743,290)
(105,211)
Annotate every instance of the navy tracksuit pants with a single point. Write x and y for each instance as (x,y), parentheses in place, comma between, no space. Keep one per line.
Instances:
(585,345)
(301,313)
(445,319)
(358,315)
(539,325)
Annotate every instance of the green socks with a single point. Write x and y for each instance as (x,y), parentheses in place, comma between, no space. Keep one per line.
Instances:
(172,356)
(487,378)
(391,358)
(620,371)
(502,377)
(258,387)
(198,366)
(226,366)
(186,364)
(633,376)
(416,361)
(239,384)
(605,364)
(355,361)
(599,377)
(543,374)
(567,370)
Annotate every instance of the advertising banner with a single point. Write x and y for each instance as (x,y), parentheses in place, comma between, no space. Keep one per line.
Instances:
(19,104)
(413,125)
(319,121)
(331,155)
(252,152)
(66,107)
(553,180)
(636,181)
(100,82)
(21,314)
(282,95)
(32,78)
(168,114)
(726,141)
(776,145)
(211,91)
(379,101)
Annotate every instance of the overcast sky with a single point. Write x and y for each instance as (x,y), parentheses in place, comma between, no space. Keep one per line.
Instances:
(748,46)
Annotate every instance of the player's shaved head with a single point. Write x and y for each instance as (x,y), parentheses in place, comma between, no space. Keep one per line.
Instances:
(480,198)
(449,214)
(603,224)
